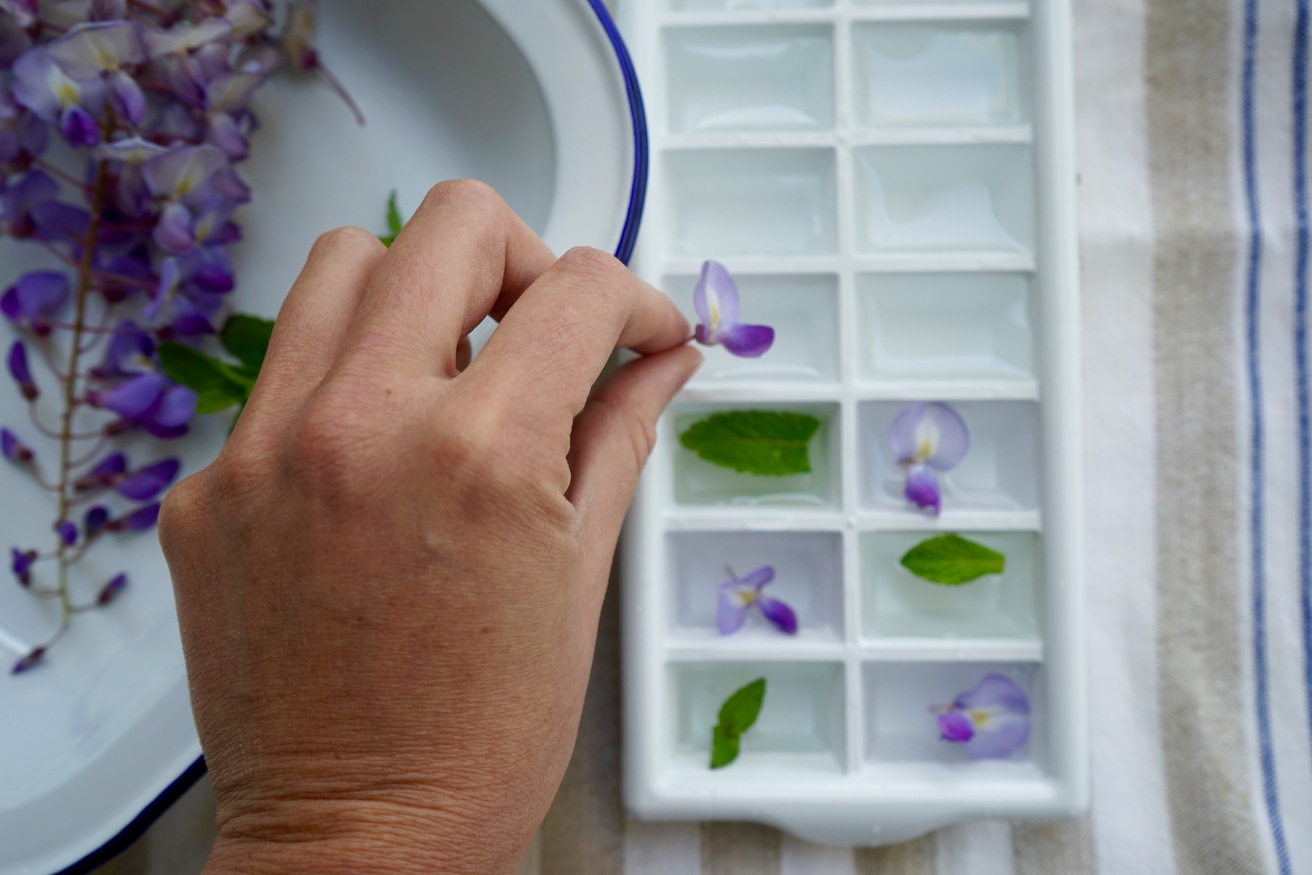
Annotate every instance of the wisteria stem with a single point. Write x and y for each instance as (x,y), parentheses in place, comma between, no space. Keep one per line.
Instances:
(86,275)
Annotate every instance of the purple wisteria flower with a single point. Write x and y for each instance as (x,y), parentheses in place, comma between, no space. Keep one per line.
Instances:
(739,594)
(59,99)
(151,402)
(927,438)
(33,301)
(21,562)
(13,449)
(21,371)
(991,721)
(716,302)
(110,590)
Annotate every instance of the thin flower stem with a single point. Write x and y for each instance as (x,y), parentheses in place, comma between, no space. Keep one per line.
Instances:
(86,272)
(56,170)
(50,247)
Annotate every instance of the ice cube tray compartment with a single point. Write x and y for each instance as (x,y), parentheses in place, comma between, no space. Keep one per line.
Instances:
(742,79)
(891,185)
(801,730)
(939,74)
(897,604)
(808,576)
(946,327)
(807,351)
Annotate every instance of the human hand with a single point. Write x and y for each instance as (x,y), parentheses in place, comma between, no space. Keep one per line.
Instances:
(389,581)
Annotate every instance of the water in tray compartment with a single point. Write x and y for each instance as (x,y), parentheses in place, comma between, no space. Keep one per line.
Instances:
(730,5)
(930,75)
(804,312)
(753,78)
(699,482)
(902,723)
(808,577)
(1000,473)
(800,728)
(766,202)
(974,198)
(897,603)
(946,326)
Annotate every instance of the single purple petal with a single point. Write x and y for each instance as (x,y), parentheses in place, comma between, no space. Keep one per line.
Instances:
(127,98)
(143,518)
(995,691)
(36,84)
(951,436)
(188,321)
(173,233)
(902,432)
(19,370)
(149,481)
(177,408)
(128,352)
(112,589)
(184,171)
(747,341)
(185,36)
(13,449)
(211,270)
(755,579)
(226,133)
(732,612)
(999,737)
(922,490)
(67,532)
(716,297)
(136,398)
(35,298)
(131,150)
(955,726)
(59,221)
(107,468)
(781,615)
(90,49)
(79,128)
(169,275)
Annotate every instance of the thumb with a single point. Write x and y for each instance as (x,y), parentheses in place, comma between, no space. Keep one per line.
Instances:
(611,441)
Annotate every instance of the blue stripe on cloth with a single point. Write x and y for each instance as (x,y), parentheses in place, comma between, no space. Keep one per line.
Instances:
(1266,753)
(1300,341)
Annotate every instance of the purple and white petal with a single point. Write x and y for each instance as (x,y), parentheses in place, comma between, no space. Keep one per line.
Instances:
(185,36)
(716,297)
(173,233)
(184,171)
(176,409)
(732,609)
(754,579)
(92,48)
(922,490)
(131,150)
(999,736)
(127,98)
(951,436)
(780,615)
(995,691)
(902,432)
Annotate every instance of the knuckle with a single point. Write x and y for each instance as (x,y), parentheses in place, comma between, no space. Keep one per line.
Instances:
(471,194)
(593,265)
(346,239)
(183,512)
(328,446)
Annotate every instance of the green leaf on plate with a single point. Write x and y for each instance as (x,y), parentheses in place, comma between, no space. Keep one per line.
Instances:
(952,560)
(247,339)
(762,442)
(724,748)
(737,715)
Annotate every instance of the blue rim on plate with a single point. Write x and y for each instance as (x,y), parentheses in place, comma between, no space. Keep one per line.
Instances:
(623,251)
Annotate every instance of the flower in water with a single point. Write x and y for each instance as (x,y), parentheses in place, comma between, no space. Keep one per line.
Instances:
(19,370)
(13,449)
(928,437)
(991,721)
(33,301)
(739,594)
(716,302)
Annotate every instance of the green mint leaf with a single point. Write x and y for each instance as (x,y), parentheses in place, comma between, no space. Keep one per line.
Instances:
(247,339)
(208,377)
(394,221)
(952,560)
(724,748)
(740,710)
(388,240)
(761,442)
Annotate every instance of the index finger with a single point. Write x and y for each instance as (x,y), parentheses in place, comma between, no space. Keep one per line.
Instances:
(555,339)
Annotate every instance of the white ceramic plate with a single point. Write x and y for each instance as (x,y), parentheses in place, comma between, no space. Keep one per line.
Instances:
(539,100)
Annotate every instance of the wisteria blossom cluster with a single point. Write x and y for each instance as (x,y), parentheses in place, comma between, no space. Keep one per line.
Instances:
(121,124)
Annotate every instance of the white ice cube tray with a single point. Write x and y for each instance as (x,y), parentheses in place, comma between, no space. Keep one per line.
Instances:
(892,185)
